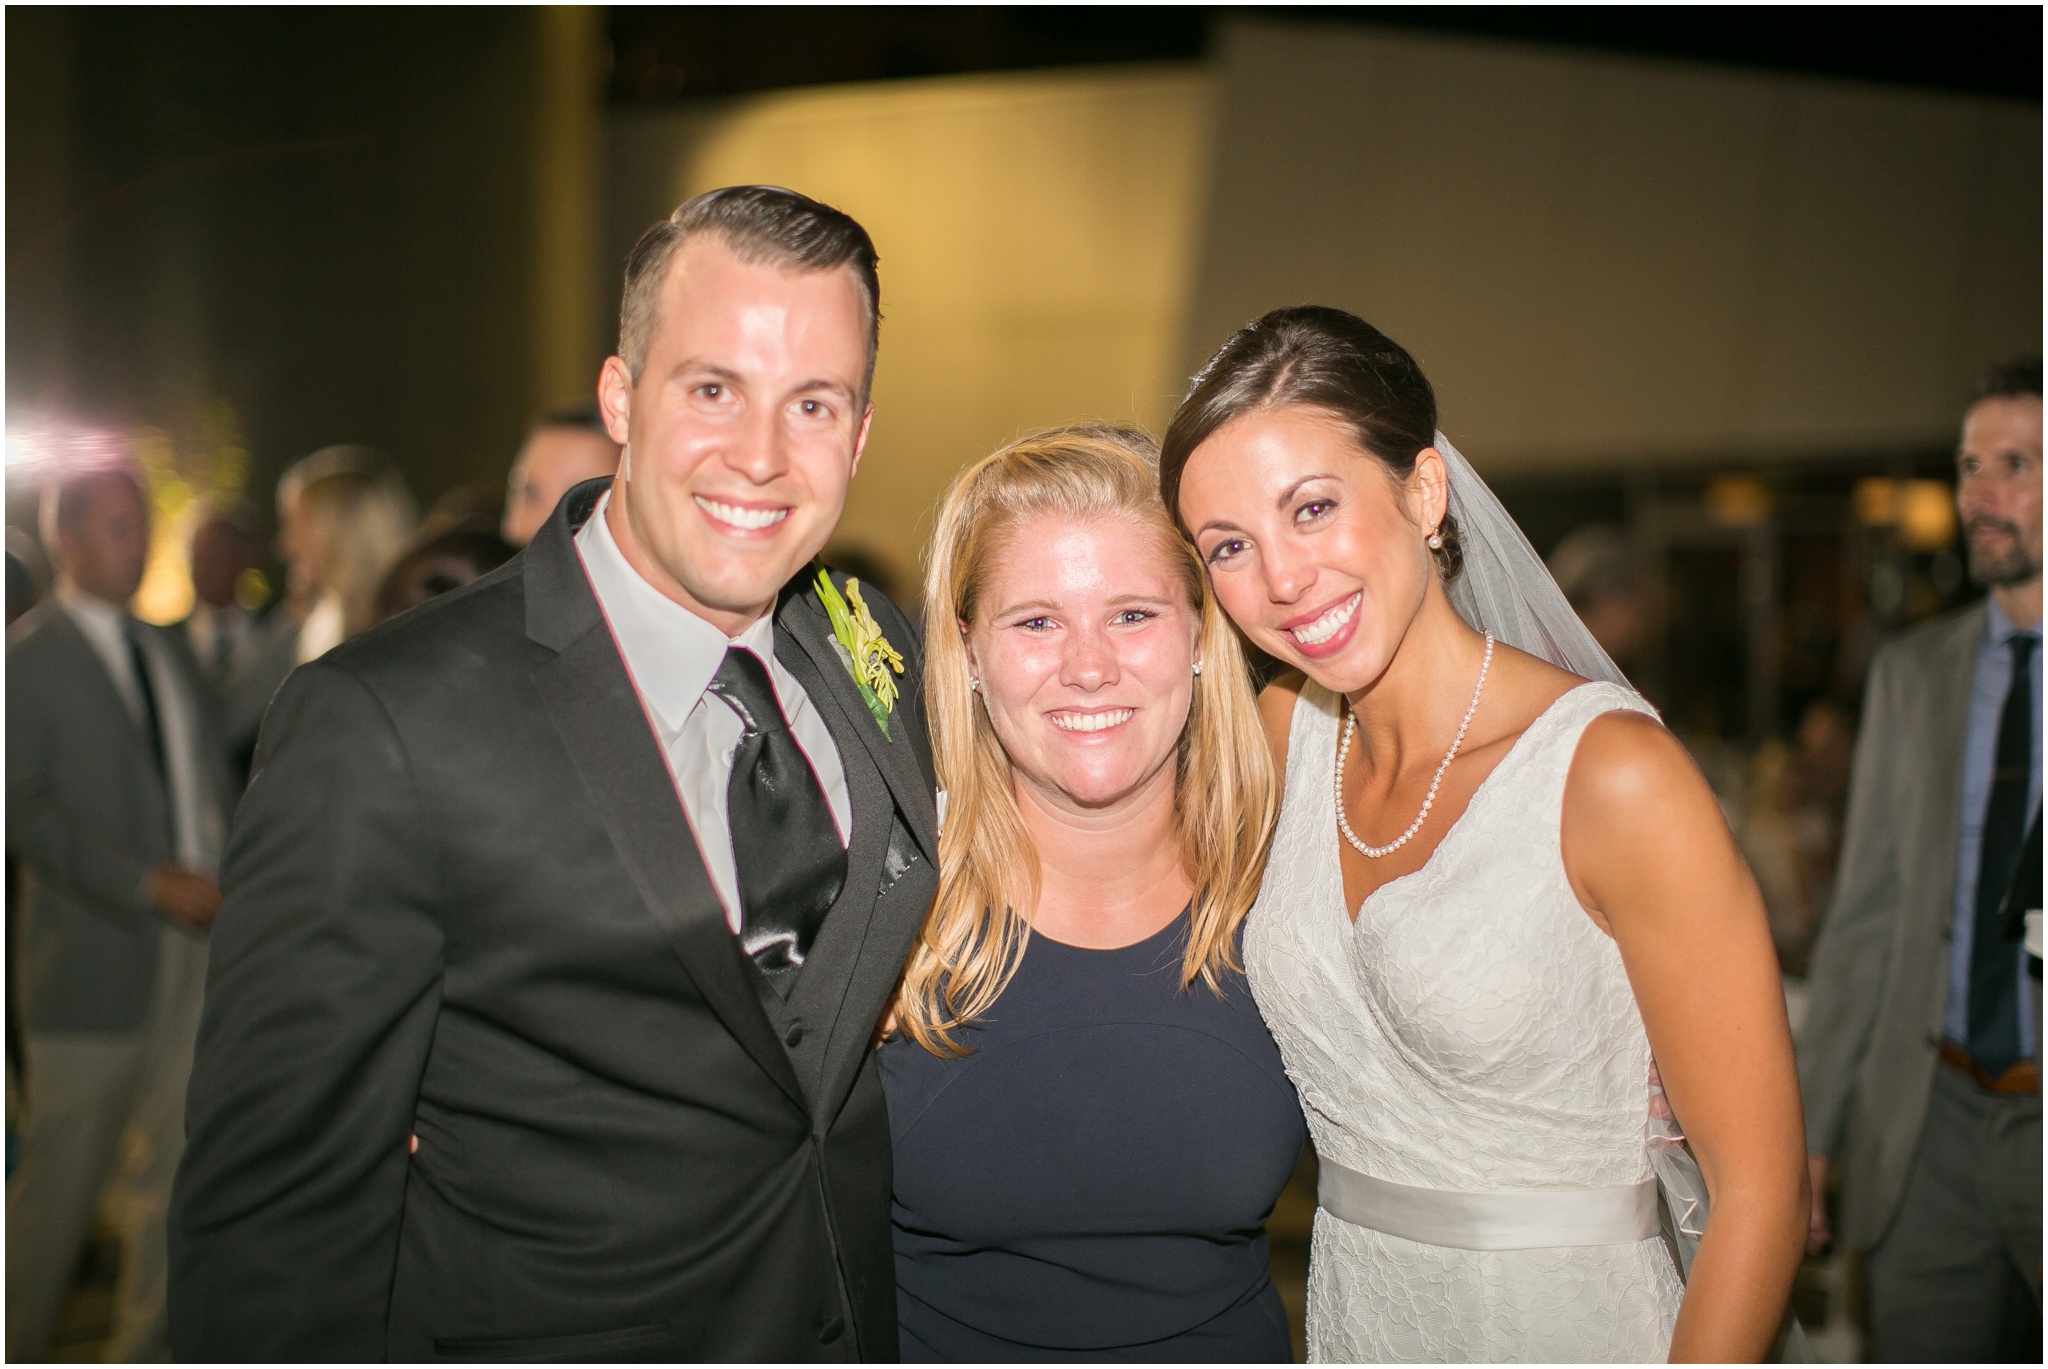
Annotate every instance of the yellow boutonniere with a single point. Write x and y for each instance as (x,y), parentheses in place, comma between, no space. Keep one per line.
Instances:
(870,659)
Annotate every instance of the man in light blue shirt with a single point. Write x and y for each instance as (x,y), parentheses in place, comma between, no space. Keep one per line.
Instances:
(1919,1058)
(1994,680)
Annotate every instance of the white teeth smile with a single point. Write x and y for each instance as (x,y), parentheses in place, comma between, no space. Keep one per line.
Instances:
(739,517)
(1325,627)
(1090,722)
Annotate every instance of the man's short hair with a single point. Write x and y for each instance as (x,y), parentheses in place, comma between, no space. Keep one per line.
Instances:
(758,224)
(2016,379)
(582,420)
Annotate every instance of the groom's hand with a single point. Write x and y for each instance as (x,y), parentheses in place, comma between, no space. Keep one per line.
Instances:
(186,896)
(1818,1237)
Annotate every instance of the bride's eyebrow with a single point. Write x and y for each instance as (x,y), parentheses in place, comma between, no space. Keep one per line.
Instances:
(1287,495)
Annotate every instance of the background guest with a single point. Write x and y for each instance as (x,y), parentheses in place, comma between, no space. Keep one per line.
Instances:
(1602,576)
(301,544)
(1791,826)
(117,798)
(1919,1060)
(22,593)
(23,585)
(223,634)
(473,506)
(300,589)
(562,449)
(439,564)
(349,530)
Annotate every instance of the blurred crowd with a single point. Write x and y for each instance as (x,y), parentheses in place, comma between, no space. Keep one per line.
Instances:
(1784,798)
(128,746)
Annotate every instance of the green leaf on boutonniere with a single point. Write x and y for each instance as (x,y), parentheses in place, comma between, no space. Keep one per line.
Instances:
(866,653)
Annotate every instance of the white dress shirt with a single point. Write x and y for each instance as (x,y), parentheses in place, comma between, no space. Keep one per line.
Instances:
(197,829)
(672,656)
(222,639)
(322,630)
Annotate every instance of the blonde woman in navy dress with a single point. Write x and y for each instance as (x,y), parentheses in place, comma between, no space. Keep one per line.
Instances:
(1091,1122)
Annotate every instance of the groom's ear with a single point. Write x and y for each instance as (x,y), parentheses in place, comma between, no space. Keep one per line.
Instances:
(860,440)
(615,398)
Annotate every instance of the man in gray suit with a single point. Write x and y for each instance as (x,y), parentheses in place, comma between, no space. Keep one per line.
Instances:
(1919,1060)
(117,800)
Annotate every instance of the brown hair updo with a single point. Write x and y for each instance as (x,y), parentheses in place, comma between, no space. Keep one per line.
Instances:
(1326,359)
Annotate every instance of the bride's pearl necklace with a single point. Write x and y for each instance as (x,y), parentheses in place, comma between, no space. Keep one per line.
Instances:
(1344,750)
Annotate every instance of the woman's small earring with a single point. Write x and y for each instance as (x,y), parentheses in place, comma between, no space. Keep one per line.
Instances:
(974,683)
(1198,667)
(1436,541)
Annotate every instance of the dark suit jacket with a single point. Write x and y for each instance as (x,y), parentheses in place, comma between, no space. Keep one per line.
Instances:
(88,815)
(245,697)
(464,905)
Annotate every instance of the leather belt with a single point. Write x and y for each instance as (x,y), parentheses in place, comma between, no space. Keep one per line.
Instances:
(2021,1079)
(1490,1221)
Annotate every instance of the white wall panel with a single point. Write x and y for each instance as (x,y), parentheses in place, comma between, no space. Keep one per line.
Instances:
(1602,259)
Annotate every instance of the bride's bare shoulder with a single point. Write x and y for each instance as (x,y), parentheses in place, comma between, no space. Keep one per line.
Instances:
(1624,754)
(1630,786)
(1276,715)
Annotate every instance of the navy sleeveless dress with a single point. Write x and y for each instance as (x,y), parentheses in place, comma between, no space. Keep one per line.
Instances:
(1092,1182)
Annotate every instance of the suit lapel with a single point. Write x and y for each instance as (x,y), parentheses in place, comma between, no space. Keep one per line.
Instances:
(595,708)
(91,666)
(598,713)
(825,991)
(892,798)
(151,783)
(802,623)
(1952,673)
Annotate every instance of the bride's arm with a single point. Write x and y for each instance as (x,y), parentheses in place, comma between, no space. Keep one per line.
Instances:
(1651,857)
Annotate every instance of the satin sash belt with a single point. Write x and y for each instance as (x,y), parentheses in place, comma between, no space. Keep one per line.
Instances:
(1490,1221)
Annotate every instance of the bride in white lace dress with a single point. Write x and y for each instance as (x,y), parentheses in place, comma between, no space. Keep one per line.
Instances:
(1494,888)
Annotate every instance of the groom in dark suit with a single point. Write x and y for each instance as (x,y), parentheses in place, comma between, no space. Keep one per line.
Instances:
(561,910)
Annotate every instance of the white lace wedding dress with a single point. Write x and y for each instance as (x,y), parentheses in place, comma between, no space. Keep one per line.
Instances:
(1473,1032)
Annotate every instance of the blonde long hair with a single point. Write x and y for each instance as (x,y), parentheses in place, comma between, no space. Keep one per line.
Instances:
(1224,792)
(364,524)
